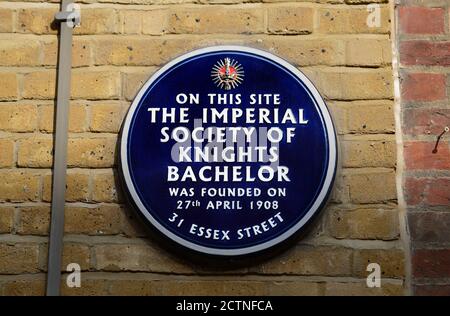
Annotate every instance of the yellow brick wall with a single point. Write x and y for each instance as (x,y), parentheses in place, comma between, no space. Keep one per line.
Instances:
(121,43)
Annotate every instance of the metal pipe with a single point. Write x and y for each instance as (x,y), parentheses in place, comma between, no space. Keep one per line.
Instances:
(60,150)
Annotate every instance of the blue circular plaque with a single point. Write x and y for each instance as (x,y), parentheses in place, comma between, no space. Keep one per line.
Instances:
(228,150)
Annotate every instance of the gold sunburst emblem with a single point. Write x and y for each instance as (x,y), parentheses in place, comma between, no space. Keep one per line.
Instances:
(227,74)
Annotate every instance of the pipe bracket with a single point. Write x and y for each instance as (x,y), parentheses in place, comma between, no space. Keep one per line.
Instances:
(72,16)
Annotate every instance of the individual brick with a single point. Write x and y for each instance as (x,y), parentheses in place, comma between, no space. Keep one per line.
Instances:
(19,186)
(136,257)
(424,121)
(131,21)
(212,287)
(149,22)
(429,226)
(213,20)
(76,253)
(353,83)
(364,223)
(371,185)
(90,287)
(368,52)
(372,117)
(25,286)
(6,220)
(431,290)
(351,20)
(101,220)
(427,53)
(16,117)
(104,187)
(17,51)
(431,263)
(155,22)
(6,20)
(34,220)
(369,153)
(35,152)
(95,85)
(308,260)
(428,191)
(98,21)
(39,85)
(91,152)
(236,287)
(307,52)
(6,153)
(37,20)
(139,51)
(391,261)
(106,118)
(421,20)
(424,155)
(9,86)
(423,87)
(289,288)
(19,258)
(290,20)
(388,288)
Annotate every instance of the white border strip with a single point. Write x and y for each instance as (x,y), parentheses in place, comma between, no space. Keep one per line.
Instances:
(402,208)
(247,250)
